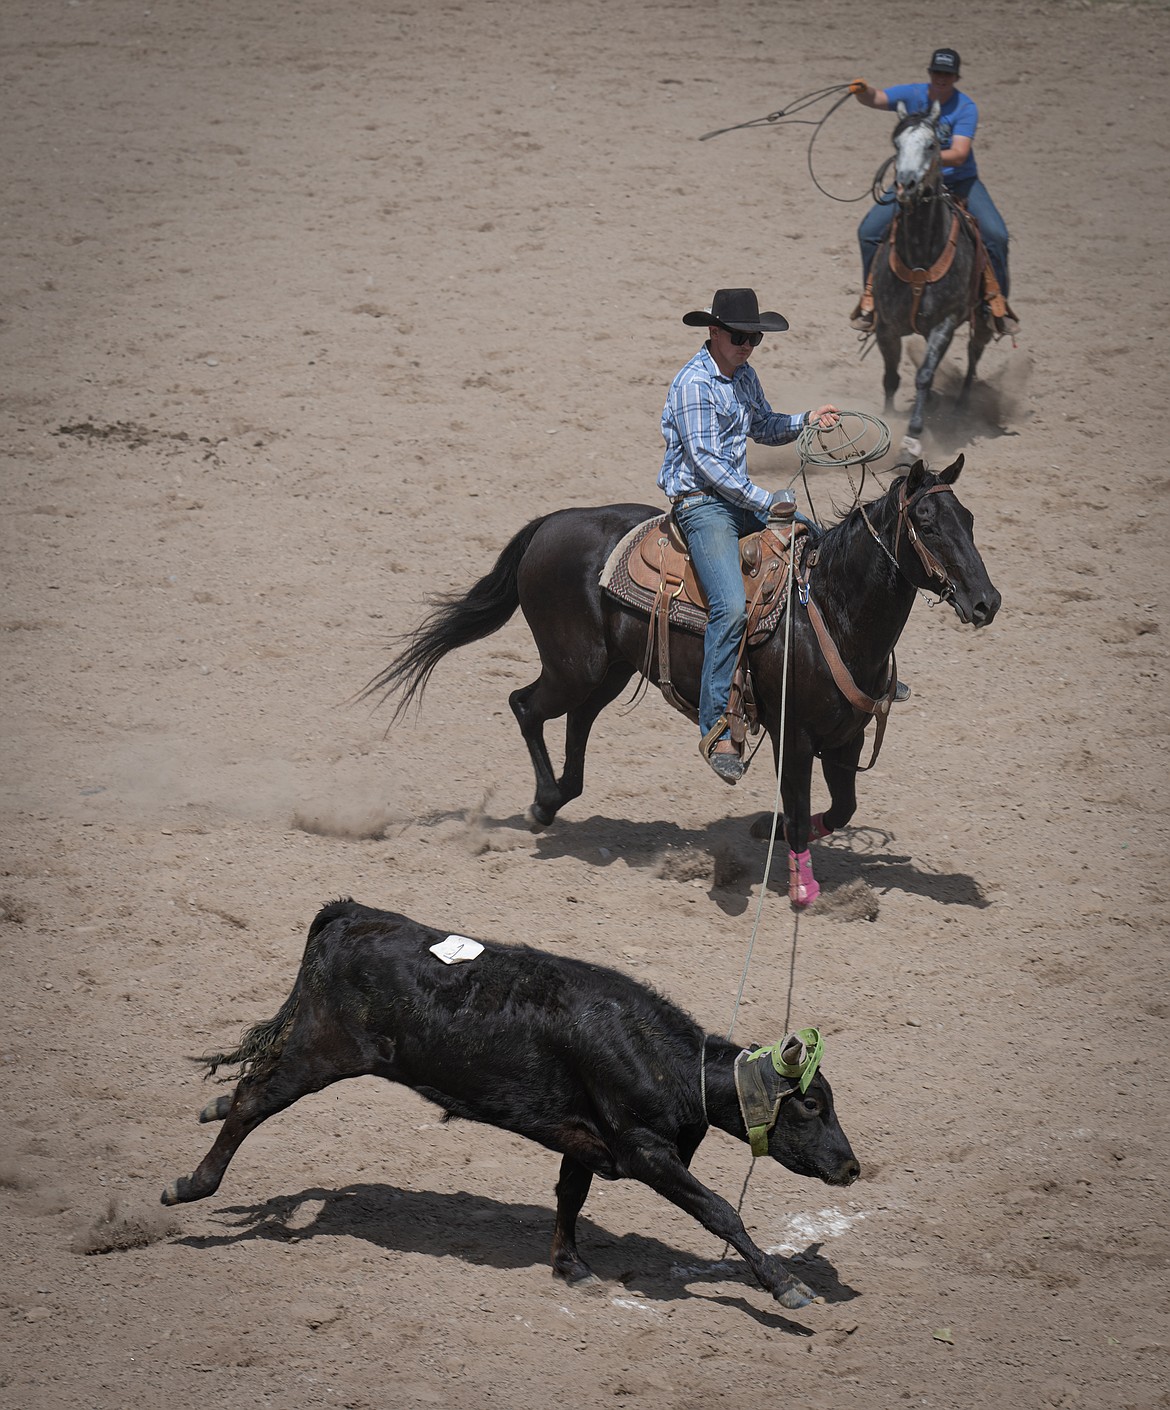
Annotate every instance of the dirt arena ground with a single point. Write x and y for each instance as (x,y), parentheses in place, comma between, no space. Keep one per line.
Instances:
(306,308)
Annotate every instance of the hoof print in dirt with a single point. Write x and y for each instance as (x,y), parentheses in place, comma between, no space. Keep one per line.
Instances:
(683,864)
(855,900)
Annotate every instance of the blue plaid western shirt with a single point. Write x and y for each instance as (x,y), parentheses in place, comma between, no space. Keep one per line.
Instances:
(706,424)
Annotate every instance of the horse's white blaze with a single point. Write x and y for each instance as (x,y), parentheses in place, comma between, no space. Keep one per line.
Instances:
(915,148)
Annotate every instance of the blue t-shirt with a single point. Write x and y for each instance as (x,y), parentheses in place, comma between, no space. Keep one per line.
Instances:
(959,113)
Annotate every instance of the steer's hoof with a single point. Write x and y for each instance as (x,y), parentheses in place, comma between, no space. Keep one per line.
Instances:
(216,1109)
(580,1278)
(175,1192)
(795,1294)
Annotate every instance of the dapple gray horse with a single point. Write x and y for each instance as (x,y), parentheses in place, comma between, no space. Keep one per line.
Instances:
(936,252)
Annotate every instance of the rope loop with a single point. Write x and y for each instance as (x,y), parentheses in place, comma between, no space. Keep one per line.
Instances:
(856,439)
(783,116)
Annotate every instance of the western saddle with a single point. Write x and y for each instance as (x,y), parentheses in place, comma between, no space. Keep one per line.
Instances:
(659,565)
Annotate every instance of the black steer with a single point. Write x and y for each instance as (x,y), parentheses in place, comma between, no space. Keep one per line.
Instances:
(575,1056)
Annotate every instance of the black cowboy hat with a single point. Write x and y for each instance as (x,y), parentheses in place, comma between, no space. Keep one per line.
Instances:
(944,61)
(739,310)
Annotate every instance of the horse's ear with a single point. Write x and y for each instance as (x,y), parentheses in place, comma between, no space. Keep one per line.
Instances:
(952,472)
(918,473)
(901,109)
(935,109)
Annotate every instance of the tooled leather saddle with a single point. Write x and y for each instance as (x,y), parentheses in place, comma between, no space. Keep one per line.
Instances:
(651,565)
(651,571)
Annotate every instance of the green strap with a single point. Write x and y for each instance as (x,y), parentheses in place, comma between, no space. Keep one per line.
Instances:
(797,1058)
(758,1106)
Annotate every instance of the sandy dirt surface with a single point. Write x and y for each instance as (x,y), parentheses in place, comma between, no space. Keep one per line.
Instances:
(306,309)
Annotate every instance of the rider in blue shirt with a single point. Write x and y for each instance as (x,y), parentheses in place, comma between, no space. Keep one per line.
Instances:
(960,174)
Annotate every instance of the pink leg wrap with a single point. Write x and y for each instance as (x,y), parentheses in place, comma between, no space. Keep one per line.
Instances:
(816,828)
(802,885)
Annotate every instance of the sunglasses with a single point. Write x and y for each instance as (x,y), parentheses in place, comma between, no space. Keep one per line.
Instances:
(738,339)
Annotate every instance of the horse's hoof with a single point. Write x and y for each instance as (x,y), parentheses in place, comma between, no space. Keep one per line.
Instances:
(795,1294)
(536,819)
(803,888)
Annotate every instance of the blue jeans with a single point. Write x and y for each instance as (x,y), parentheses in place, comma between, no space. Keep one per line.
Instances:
(874,227)
(712,529)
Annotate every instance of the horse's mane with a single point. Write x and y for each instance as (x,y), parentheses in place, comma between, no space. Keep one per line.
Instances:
(837,538)
(852,512)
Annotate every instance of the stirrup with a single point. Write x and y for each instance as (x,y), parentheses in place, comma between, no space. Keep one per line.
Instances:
(708,742)
(728,764)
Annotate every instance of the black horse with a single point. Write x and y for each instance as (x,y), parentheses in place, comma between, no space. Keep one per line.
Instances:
(868,568)
(926,272)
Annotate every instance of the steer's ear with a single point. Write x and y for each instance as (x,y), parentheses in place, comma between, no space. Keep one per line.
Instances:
(953,471)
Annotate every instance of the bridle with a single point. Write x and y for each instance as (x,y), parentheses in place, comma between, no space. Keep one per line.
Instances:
(933,568)
(931,564)
(877,706)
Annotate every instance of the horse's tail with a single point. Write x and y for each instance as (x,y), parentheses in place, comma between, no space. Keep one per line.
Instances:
(453,622)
